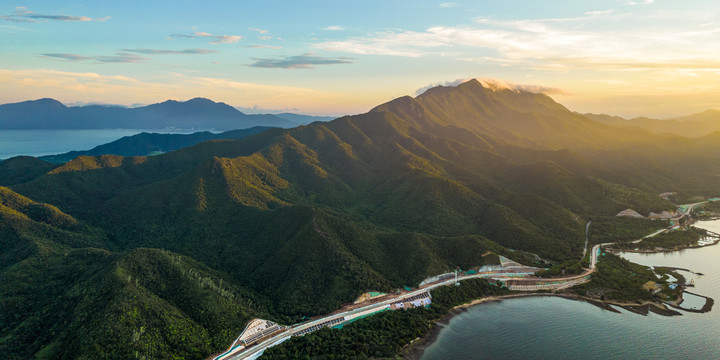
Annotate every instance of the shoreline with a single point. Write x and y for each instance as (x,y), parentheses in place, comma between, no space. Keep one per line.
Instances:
(655,251)
(664,250)
(415,349)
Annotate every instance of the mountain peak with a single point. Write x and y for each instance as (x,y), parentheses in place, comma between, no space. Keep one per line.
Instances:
(201,100)
(45,103)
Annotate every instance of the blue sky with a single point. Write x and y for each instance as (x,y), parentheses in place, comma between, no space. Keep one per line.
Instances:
(640,57)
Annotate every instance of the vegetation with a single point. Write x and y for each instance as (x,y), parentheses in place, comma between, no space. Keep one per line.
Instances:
(287,224)
(618,279)
(145,144)
(382,335)
(22,169)
(707,211)
(676,239)
(621,229)
(570,267)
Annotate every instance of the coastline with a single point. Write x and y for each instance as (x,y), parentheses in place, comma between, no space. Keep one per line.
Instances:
(657,251)
(415,349)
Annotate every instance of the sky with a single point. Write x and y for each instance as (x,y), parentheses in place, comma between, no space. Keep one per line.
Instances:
(658,58)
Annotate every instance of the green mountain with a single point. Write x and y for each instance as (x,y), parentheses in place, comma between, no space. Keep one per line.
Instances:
(296,222)
(152,143)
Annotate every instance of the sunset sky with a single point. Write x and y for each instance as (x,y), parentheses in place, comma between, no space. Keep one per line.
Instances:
(656,58)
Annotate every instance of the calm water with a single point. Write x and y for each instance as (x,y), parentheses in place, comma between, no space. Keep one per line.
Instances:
(556,328)
(50,142)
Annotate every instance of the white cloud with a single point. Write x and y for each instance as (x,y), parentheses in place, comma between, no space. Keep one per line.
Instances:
(589,41)
(215,39)
(333,28)
(449,5)
(25,16)
(643,2)
(265,47)
(408,43)
(496,85)
(220,39)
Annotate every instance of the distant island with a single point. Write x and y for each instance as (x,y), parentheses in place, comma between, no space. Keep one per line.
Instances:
(147,144)
(197,113)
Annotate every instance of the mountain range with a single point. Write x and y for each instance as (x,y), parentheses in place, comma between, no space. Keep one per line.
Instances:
(197,113)
(695,125)
(170,255)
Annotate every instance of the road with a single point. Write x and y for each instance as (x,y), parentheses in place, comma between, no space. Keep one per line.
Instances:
(250,352)
(587,228)
(593,256)
(256,350)
(690,207)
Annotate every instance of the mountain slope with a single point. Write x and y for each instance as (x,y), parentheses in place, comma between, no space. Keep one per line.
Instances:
(301,119)
(63,297)
(304,219)
(22,169)
(694,126)
(152,144)
(522,118)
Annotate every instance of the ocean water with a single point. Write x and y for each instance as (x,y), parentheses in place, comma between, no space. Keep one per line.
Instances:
(557,328)
(50,142)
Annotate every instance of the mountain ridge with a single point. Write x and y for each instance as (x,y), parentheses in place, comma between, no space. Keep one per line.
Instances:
(302,220)
(197,113)
(694,126)
(145,144)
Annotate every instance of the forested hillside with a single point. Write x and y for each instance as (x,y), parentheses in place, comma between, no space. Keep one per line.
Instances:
(171,254)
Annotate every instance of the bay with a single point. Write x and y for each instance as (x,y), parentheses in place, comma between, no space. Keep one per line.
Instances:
(558,328)
(51,142)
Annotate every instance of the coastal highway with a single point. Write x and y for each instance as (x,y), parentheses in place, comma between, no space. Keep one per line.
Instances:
(593,255)
(256,350)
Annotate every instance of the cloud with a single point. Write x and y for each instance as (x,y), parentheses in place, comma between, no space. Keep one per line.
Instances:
(407,43)
(449,5)
(25,16)
(69,57)
(446,83)
(216,39)
(333,28)
(305,61)
(262,31)
(631,2)
(120,57)
(169,52)
(496,85)
(595,39)
(257,109)
(265,47)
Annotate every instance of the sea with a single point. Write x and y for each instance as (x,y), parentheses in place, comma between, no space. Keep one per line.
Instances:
(557,328)
(51,142)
